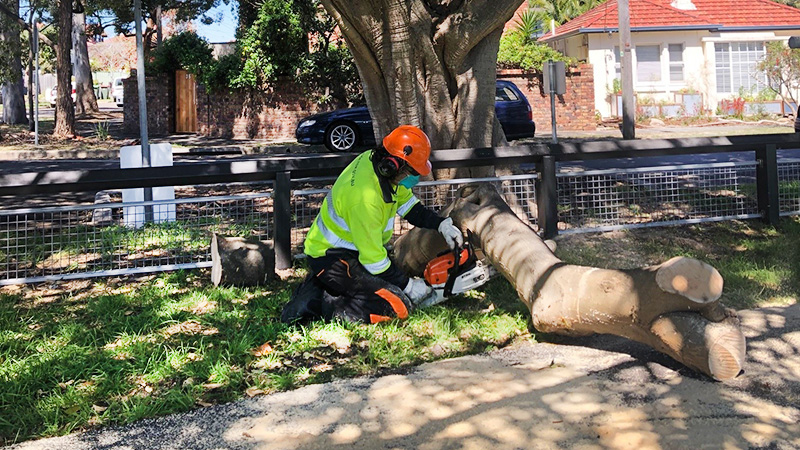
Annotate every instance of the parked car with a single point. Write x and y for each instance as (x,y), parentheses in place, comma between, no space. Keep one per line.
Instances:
(52,95)
(343,129)
(117,91)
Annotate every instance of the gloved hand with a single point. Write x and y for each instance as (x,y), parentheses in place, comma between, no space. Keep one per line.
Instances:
(452,235)
(417,290)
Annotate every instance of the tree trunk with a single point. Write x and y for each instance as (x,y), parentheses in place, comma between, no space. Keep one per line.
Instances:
(13,88)
(65,111)
(429,63)
(85,100)
(241,262)
(673,307)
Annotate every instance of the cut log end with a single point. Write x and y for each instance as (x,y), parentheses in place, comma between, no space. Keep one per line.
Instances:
(690,278)
(714,348)
(241,262)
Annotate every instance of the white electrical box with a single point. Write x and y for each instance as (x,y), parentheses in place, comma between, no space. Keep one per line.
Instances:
(130,157)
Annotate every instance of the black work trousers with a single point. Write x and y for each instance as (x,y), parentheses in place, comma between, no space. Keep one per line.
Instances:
(338,286)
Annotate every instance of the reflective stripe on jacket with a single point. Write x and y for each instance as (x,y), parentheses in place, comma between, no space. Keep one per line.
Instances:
(355,217)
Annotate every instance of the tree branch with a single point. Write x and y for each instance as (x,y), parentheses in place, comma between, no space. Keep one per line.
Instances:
(461,31)
(24,25)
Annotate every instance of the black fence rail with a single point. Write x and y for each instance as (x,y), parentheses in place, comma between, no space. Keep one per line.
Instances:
(284,171)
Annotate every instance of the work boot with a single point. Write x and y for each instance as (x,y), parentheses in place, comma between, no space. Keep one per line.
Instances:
(306,302)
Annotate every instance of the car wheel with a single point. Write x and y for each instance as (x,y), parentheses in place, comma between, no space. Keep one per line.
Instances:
(341,137)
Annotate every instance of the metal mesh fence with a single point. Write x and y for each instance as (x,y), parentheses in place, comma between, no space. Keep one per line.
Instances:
(613,199)
(518,190)
(789,188)
(108,239)
(39,244)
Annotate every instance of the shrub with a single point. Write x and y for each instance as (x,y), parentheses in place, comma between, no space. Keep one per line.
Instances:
(518,51)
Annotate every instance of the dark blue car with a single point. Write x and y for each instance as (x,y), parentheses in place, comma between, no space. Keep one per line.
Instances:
(343,129)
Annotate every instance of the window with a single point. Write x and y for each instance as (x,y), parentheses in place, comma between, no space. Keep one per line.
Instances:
(617,63)
(735,63)
(648,63)
(505,94)
(675,62)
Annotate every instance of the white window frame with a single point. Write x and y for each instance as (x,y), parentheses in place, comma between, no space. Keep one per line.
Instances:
(734,79)
(672,64)
(648,84)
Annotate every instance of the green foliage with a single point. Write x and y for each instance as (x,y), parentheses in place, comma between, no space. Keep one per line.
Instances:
(560,11)
(274,45)
(616,86)
(186,51)
(781,64)
(295,39)
(518,50)
(332,73)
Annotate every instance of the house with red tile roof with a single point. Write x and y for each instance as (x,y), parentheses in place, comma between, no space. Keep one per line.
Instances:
(705,46)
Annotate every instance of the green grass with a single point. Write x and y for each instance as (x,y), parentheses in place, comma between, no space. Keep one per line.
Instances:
(759,263)
(93,353)
(118,351)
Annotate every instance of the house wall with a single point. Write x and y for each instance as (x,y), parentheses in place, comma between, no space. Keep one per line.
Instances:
(698,61)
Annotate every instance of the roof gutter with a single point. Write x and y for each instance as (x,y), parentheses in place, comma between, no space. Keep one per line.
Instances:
(760,28)
(656,28)
(616,30)
(709,27)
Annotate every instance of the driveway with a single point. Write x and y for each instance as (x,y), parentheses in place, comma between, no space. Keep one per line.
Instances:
(589,393)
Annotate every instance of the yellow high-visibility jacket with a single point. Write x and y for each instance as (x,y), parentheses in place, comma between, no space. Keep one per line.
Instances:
(354,216)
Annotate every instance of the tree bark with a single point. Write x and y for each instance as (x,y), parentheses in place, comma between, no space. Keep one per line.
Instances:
(65,111)
(13,88)
(85,99)
(673,307)
(429,63)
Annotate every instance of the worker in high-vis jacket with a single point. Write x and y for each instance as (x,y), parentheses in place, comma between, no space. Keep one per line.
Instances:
(351,276)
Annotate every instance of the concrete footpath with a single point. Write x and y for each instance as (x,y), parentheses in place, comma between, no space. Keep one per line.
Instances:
(592,393)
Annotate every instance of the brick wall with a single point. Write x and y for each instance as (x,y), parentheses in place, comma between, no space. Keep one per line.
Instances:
(574,110)
(160,92)
(274,115)
(243,115)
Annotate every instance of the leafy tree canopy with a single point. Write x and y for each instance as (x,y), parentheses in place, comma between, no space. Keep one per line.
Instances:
(119,14)
(781,64)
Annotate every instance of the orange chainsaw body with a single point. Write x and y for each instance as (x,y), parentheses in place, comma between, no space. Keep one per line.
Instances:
(436,272)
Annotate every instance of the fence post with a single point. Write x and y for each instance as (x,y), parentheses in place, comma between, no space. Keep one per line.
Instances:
(767,184)
(282,220)
(547,197)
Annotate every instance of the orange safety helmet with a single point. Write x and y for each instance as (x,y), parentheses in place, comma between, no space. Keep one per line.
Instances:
(412,145)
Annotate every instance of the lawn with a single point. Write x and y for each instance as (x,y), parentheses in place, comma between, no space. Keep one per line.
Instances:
(97,352)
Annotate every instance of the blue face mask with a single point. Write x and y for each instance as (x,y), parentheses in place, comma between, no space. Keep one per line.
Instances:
(409,181)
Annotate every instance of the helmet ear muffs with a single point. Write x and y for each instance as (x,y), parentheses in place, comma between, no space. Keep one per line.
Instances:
(389,167)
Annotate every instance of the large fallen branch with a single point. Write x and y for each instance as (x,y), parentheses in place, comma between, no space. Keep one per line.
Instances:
(673,307)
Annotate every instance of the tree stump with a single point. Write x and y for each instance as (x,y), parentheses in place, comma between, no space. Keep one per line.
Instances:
(673,307)
(241,261)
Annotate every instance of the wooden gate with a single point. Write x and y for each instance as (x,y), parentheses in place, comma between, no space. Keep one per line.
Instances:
(185,102)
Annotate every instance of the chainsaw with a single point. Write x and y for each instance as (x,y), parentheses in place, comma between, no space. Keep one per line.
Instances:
(454,272)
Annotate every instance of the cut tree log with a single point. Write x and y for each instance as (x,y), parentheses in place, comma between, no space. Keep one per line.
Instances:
(673,307)
(241,261)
